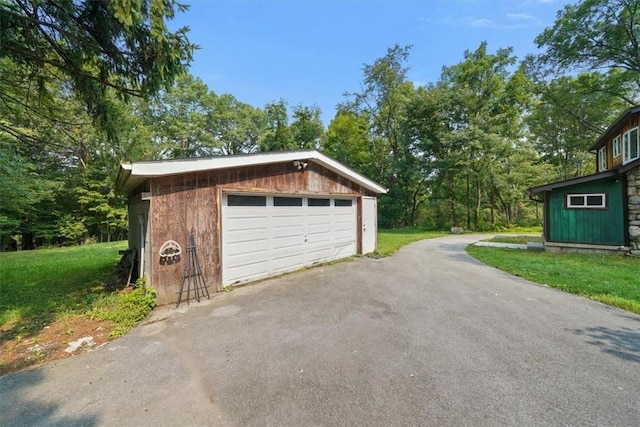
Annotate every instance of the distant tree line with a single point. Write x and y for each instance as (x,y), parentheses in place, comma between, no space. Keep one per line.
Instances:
(86,85)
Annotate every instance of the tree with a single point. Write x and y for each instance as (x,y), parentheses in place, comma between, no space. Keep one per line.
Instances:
(385,91)
(236,126)
(277,136)
(347,140)
(306,127)
(90,48)
(179,117)
(485,105)
(569,113)
(21,189)
(594,34)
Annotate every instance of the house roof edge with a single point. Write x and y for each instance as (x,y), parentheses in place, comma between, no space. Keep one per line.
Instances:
(615,126)
(132,174)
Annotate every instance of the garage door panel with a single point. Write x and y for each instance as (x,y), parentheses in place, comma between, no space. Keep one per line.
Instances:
(318,254)
(343,221)
(246,241)
(287,262)
(287,220)
(345,233)
(260,241)
(241,220)
(246,271)
(344,249)
(294,242)
(253,248)
(315,216)
(320,237)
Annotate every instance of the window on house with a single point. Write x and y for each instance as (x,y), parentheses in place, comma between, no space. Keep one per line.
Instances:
(343,202)
(616,147)
(319,202)
(587,201)
(630,146)
(602,159)
(237,200)
(287,201)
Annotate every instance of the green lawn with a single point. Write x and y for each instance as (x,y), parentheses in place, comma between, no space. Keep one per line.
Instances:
(613,280)
(390,241)
(41,286)
(517,239)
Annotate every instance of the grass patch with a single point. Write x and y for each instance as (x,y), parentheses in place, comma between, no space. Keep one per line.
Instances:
(517,239)
(518,230)
(612,280)
(124,309)
(390,241)
(42,286)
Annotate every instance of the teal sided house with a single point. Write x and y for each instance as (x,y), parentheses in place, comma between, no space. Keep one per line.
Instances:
(599,212)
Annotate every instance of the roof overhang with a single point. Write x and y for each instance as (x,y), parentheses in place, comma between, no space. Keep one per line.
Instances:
(574,181)
(614,128)
(133,174)
(619,170)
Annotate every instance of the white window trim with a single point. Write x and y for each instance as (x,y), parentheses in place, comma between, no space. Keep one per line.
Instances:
(617,152)
(602,159)
(584,196)
(626,145)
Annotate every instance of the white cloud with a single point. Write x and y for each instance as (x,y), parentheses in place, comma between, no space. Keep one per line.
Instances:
(520,16)
(508,21)
(481,22)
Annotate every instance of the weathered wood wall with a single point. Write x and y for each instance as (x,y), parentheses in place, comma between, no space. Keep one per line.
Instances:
(630,123)
(181,205)
(190,203)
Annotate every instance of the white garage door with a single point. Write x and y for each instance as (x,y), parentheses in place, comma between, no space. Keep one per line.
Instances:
(267,235)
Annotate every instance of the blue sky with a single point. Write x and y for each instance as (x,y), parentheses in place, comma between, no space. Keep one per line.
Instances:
(311,52)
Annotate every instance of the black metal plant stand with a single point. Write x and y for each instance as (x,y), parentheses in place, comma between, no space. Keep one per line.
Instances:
(192,275)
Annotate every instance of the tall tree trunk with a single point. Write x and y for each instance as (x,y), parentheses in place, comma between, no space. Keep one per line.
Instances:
(27,241)
(468,202)
(416,202)
(493,214)
(476,213)
(454,213)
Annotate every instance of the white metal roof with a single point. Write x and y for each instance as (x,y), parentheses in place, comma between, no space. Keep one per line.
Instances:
(133,174)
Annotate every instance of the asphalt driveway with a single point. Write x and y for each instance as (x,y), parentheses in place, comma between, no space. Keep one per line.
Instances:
(428,336)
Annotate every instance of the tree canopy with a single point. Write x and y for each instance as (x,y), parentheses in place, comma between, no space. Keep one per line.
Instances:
(87,84)
(594,35)
(93,49)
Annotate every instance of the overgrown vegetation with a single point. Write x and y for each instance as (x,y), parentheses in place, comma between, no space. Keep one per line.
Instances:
(612,280)
(124,310)
(40,287)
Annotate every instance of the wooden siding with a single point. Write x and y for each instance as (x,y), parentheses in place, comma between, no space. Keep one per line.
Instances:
(138,210)
(190,203)
(630,123)
(590,226)
(283,178)
(182,205)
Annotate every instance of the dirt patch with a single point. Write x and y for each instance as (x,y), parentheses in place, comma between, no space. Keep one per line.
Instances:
(63,338)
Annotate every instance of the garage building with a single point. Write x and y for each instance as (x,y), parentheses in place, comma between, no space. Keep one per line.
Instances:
(251,216)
